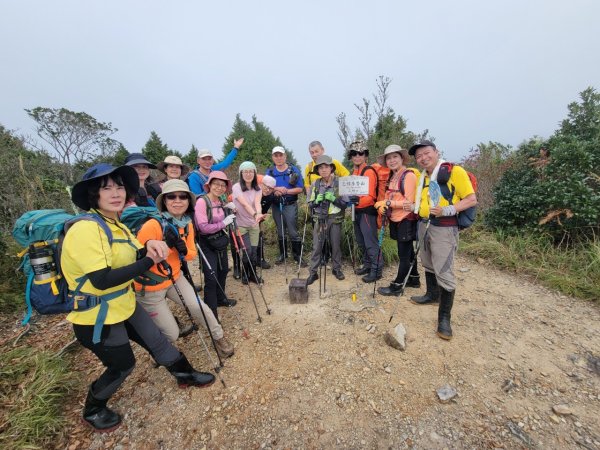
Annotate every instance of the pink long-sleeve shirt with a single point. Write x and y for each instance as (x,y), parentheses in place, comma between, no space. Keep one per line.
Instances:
(218,214)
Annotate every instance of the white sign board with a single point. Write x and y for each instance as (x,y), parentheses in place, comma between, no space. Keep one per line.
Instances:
(354,185)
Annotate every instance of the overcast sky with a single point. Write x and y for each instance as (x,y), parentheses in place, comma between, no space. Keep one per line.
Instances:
(469,71)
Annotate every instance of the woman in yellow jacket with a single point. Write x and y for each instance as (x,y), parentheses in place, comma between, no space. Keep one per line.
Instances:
(101,272)
(176,204)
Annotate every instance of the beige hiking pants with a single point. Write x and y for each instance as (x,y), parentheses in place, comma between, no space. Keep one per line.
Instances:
(155,303)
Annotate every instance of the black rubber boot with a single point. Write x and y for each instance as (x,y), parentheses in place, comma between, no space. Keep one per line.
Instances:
(432,296)
(187,376)
(237,273)
(413,282)
(392,289)
(98,416)
(444,330)
(362,270)
(282,253)
(312,278)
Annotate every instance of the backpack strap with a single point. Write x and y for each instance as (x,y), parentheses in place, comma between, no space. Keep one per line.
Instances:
(362,173)
(442,180)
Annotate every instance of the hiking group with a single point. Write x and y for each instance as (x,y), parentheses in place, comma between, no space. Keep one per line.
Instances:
(122,260)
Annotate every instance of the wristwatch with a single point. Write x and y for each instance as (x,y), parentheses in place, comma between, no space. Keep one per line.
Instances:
(388,203)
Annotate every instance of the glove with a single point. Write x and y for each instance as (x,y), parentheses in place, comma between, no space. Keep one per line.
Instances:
(319,199)
(381,206)
(229,219)
(330,196)
(229,205)
(170,236)
(181,247)
(353,199)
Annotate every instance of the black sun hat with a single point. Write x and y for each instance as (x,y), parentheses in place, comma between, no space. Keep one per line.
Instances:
(79,194)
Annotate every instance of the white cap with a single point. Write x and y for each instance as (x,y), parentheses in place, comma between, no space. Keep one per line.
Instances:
(278,149)
(204,153)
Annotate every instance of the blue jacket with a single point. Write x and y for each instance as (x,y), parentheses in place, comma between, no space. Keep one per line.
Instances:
(197,180)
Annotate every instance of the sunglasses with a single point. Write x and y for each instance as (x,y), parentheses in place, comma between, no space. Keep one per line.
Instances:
(357,153)
(175,196)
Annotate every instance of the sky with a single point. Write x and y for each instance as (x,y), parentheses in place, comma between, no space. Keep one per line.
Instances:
(469,71)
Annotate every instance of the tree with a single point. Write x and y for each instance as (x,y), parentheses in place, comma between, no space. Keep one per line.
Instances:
(191,158)
(155,151)
(389,128)
(74,136)
(258,143)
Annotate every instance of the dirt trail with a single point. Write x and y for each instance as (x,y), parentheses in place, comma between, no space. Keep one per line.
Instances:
(320,376)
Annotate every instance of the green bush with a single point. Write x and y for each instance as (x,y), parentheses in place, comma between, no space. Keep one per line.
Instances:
(560,196)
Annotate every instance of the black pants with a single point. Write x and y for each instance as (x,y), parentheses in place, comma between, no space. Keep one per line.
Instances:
(406,253)
(220,266)
(114,349)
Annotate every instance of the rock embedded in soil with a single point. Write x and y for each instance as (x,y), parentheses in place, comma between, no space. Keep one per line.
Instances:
(396,337)
(446,393)
(562,410)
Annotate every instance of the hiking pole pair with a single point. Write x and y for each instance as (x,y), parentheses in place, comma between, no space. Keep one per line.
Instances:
(324,241)
(244,271)
(414,260)
(214,275)
(169,271)
(384,221)
(245,250)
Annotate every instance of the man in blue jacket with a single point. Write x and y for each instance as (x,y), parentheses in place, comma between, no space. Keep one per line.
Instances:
(206,164)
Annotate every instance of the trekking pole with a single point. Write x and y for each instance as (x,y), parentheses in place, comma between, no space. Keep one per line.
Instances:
(322,243)
(283,240)
(260,249)
(217,367)
(245,250)
(384,220)
(302,243)
(414,260)
(188,276)
(214,275)
(352,249)
(244,271)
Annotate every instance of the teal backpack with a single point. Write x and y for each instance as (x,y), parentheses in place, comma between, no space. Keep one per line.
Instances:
(133,217)
(41,233)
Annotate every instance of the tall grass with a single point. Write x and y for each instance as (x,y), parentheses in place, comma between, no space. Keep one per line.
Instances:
(573,271)
(33,387)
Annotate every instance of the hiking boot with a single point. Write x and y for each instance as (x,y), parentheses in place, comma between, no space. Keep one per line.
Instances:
(282,253)
(228,302)
(264,264)
(255,277)
(187,376)
(432,296)
(362,270)
(98,416)
(392,289)
(224,347)
(413,282)
(338,274)
(444,330)
(312,278)
(261,252)
(186,330)
(371,277)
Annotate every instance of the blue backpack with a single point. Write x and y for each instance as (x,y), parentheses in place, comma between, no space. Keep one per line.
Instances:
(41,233)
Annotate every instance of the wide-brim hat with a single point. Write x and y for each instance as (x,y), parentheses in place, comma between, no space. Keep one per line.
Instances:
(393,149)
(174,185)
(219,176)
(138,158)
(418,145)
(175,161)
(323,159)
(79,194)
